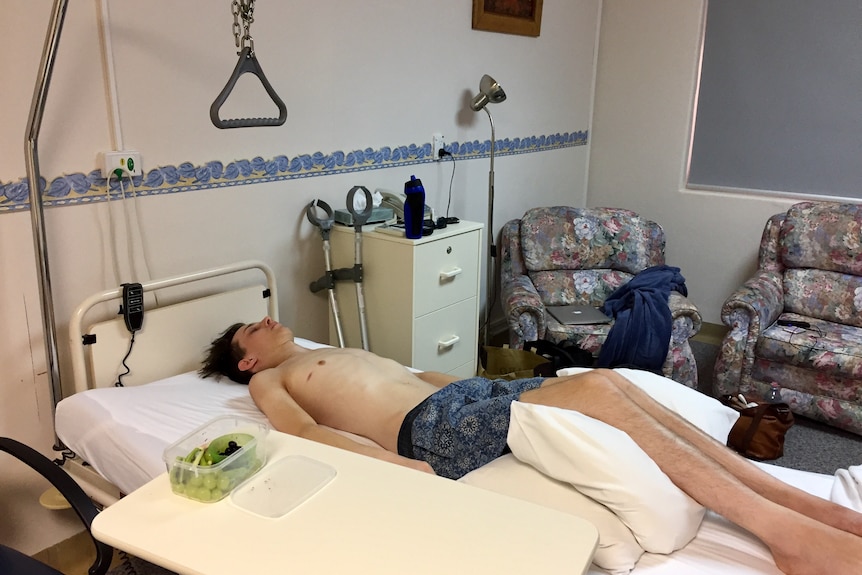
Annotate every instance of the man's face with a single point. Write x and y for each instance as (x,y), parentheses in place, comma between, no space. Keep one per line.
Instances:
(263,343)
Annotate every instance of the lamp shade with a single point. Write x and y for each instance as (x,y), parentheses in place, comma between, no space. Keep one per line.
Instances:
(489,92)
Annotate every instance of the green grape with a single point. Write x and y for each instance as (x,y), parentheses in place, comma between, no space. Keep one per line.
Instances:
(178,488)
(201,494)
(216,494)
(210,481)
(196,480)
(223,483)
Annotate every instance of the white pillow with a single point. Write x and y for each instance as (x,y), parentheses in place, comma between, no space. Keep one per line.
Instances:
(606,465)
(617,552)
(707,413)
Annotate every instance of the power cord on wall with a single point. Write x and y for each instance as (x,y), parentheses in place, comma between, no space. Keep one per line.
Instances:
(132,307)
(442,153)
(111,227)
(138,226)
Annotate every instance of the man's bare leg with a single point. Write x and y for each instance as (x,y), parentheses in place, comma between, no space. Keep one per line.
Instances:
(761,482)
(800,545)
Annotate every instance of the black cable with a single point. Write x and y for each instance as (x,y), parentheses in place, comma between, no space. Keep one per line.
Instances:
(125,567)
(119,382)
(795,328)
(443,154)
(485,324)
(65,455)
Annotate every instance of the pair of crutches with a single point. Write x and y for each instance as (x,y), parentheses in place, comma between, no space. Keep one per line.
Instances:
(327,281)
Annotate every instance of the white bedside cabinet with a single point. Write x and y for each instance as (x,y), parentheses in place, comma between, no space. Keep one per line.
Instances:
(421,296)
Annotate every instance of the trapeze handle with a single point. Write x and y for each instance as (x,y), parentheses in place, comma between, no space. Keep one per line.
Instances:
(247,63)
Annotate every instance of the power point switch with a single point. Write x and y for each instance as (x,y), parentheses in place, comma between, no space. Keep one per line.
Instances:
(128,162)
(437,143)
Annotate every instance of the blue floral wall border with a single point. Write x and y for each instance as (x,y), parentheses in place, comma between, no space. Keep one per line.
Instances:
(80,188)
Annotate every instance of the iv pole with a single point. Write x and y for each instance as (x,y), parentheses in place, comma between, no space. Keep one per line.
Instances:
(37,107)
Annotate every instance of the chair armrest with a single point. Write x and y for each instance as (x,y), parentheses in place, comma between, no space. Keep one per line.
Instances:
(525,312)
(67,487)
(684,312)
(522,306)
(748,310)
(760,299)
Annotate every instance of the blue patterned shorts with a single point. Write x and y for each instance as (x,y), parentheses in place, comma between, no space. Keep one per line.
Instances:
(463,426)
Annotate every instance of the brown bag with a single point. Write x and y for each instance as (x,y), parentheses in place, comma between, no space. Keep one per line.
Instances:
(759,431)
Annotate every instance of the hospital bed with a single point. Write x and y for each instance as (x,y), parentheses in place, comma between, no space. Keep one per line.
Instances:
(118,434)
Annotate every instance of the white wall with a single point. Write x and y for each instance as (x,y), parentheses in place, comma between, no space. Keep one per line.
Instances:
(645,93)
(353,74)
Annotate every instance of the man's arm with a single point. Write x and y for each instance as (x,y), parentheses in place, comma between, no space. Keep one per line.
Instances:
(287,416)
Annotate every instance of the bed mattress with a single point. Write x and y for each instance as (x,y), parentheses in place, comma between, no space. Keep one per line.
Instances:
(122,433)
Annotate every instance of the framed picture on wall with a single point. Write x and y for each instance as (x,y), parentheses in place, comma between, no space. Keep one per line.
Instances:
(523,17)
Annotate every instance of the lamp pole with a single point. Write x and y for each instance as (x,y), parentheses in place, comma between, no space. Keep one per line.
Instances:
(492,249)
(490,92)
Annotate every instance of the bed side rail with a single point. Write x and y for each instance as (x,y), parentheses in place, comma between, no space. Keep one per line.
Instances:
(167,331)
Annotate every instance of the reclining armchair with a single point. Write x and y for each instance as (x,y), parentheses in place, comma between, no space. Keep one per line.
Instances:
(798,320)
(563,255)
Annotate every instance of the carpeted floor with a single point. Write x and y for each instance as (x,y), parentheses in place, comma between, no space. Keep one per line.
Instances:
(808,445)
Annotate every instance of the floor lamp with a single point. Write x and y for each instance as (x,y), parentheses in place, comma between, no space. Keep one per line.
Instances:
(490,92)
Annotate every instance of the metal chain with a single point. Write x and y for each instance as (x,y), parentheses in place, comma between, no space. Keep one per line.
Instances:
(242,36)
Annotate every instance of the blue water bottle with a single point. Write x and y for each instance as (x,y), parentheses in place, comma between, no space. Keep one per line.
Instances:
(414,208)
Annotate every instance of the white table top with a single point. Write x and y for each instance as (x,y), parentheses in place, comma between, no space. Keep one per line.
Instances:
(373,517)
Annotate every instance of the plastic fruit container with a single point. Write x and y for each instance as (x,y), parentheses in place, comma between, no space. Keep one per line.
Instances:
(208,463)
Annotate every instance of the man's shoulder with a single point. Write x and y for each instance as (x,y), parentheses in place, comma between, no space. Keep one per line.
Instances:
(279,374)
(266,378)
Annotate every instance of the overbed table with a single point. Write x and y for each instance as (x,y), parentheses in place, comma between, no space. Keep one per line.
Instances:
(372,517)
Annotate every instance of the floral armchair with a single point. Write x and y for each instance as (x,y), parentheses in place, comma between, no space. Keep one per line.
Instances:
(563,255)
(798,320)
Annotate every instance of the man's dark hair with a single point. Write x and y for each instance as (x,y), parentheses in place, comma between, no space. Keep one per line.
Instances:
(224,356)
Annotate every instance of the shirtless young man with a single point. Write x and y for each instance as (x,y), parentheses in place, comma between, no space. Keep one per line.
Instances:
(306,392)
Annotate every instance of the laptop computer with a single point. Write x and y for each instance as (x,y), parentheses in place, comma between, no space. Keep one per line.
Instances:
(578,314)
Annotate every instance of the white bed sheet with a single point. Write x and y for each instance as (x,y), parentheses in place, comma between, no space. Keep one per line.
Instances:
(721,547)
(122,433)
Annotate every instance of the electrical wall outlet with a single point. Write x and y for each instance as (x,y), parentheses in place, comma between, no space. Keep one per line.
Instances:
(129,162)
(437,143)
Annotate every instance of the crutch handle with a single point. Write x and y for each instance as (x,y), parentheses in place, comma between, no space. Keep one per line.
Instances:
(359,218)
(325,224)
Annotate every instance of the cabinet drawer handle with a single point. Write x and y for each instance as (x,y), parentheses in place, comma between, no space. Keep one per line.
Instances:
(449,342)
(450,274)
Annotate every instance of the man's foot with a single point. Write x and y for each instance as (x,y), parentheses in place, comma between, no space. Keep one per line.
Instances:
(812,548)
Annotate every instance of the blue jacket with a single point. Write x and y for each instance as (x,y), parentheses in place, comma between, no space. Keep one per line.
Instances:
(642,326)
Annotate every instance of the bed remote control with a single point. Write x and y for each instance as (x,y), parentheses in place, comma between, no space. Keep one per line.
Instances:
(133,306)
